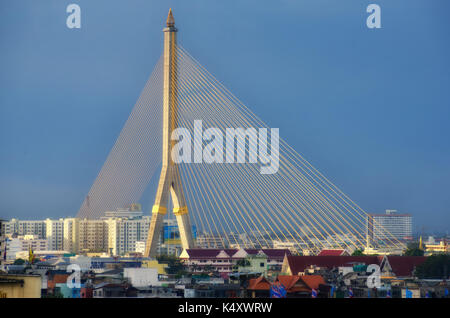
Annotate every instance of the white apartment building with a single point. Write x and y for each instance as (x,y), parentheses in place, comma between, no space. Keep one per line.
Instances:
(15,245)
(123,231)
(55,234)
(70,234)
(25,227)
(140,247)
(123,234)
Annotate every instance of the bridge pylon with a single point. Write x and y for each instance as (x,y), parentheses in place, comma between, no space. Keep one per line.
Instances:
(170,180)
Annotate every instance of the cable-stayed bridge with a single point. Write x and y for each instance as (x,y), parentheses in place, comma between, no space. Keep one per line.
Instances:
(234,202)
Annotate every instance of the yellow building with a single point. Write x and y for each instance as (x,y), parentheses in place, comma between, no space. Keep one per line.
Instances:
(155,264)
(442,247)
(70,234)
(20,286)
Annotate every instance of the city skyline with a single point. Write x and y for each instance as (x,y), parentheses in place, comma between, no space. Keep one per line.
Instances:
(368,146)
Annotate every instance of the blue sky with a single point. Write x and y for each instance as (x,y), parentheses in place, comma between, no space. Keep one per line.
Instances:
(368,108)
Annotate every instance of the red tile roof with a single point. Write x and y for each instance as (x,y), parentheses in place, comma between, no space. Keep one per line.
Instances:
(403,266)
(260,283)
(299,263)
(331,253)
(208,252)
(296,283)
(288,281)
(276,253)
(212,253)
(313,281)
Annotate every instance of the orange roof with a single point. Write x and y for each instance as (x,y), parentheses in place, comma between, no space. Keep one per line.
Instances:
(260,283)
(60,278)
(313,281)
(293,283)
(57,279)
(288,281)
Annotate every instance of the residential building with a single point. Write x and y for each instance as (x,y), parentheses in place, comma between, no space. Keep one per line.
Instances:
(20,286)
(92,236)
(142,277)
(140,247)
(442,247)
(301,286)
(71,231)
(17,244)
(252,264)
(390,266)
(222,261)
(25,227)
(123,233)
(54,233)
(259,287)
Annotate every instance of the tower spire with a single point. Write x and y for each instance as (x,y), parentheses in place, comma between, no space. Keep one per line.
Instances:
(170,185)
(170,20)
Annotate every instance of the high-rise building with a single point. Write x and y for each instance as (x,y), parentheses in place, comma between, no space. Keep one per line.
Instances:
(71,234)
(92,236)
(389,226)
(140,247)
(25,227)
(54,232)
(123,233)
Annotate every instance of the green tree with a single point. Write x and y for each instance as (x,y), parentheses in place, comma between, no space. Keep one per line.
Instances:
(175,266)
(434,267)
(413,250)
(358,253)
(19,261)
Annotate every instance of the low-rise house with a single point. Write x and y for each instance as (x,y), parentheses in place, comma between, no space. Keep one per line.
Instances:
(107,290)
(301,286)
(259,287)
(159,292)
(212,291)
(20,286)
(390,266)
(142,277)
(54,278)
